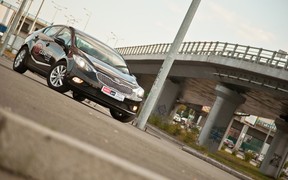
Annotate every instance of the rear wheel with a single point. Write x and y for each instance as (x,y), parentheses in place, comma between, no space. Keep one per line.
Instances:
(19,61)
(56,75)
(78,97)
(120,116)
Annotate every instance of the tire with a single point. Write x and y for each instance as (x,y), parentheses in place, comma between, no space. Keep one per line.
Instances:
(19,61)
(120,116)
(78,97)
(56,77)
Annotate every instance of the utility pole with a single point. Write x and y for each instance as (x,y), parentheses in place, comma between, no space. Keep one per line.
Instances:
(13,26)
(23,20)
(166,66)
(36,17)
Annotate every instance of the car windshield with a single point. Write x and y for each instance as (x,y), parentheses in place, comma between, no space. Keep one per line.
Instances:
(101,52)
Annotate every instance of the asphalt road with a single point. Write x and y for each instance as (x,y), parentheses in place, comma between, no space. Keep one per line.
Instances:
(29,96)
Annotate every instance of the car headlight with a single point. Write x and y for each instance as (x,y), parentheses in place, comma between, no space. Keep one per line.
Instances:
(80,61)
(140,92)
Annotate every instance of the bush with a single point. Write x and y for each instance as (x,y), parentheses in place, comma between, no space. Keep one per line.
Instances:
(174,129)
(234,153)
(155,120)
(190,137)
(248,156)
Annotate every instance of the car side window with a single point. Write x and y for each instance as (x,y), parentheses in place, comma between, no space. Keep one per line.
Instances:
(65,34)
(51,31)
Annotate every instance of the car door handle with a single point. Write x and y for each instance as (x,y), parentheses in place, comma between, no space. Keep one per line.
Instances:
(47,44)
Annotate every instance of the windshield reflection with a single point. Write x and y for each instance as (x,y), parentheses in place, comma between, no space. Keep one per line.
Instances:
(101,52)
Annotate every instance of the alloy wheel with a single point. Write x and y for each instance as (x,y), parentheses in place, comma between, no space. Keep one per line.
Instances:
(19,59)
(57,75)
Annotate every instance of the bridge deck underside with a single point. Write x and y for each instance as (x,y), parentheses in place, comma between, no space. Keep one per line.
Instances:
(259,103)
(202,92)
(265,87)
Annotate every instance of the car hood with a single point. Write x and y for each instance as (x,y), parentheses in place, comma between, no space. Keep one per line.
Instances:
(110,70)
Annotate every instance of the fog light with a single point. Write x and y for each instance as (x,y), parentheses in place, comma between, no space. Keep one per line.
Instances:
(77,80)
(134,108)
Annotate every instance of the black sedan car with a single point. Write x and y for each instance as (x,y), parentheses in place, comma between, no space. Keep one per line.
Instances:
(73,60)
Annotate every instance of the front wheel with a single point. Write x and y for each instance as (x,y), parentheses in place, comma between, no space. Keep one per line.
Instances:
(120,116)
(19,61)
(56,75)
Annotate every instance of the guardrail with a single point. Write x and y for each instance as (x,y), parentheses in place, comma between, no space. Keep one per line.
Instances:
(277,59)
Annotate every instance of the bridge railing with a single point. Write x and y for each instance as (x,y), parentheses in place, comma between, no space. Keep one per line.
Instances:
(277,59)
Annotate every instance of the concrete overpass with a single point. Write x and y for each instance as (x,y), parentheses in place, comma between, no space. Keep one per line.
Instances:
(260,75)
(227,77)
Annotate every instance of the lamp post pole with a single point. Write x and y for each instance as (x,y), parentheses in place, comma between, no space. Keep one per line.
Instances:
(58,7)
(166,66)
(36,17)
(89,15)
(23,20)
(116,39)
(13,26)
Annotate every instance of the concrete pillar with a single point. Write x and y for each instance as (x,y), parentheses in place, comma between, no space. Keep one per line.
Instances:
(241,136)
(277,152)
(202,121)
(196,117)
(198,110)
(167,99)
(226,134)
(219,117)
(174,109)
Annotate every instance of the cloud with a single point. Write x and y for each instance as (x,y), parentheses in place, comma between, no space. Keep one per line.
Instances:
(220,12)
(239,25)
(251,32)
(175,7)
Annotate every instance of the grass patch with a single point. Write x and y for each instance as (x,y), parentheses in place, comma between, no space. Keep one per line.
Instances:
(239,165)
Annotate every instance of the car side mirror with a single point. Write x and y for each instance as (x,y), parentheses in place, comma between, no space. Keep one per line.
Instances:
(61,42)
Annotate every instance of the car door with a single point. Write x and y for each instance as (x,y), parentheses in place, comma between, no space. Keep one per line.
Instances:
(43,47)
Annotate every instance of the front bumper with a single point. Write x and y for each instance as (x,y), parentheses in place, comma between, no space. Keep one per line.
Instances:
(90,88)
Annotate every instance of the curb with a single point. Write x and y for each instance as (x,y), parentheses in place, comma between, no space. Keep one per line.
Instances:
(41,153)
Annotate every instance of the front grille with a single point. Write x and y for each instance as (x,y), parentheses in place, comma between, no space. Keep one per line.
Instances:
(119,86)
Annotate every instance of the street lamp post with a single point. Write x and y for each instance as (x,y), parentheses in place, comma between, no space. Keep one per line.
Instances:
(166,66)
(71,19)
(58,7)
(36,17)
(23,20)
(89,15)
(116,39)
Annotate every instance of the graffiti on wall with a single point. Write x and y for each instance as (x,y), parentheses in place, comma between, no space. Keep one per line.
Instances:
(217,134)
(275,161)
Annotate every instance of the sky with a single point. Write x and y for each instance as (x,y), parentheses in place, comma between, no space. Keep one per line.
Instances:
(119,23)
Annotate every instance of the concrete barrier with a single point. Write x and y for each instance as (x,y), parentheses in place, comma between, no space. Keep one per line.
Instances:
(41,153)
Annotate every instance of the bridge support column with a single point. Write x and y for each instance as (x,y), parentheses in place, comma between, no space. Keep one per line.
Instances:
(219,117)
(241,137)
(167,99)
(198,110)
(277,153)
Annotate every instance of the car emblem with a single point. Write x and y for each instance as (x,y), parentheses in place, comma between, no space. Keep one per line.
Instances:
(37,48)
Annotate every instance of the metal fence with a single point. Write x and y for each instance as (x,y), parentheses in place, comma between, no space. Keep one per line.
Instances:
(277,59)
